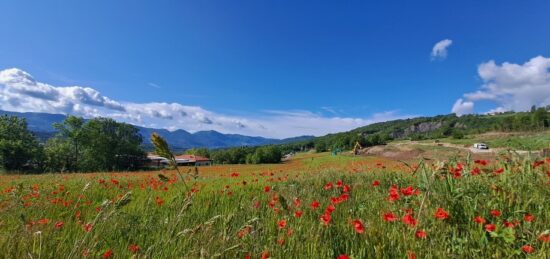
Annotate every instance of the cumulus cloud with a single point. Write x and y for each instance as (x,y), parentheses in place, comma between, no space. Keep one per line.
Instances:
(462,107)
(439,50)
(19,91)
(512,87)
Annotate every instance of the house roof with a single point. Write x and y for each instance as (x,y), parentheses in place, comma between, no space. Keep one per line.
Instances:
(193,158)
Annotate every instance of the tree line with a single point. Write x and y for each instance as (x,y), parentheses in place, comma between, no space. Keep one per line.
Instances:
(99,144)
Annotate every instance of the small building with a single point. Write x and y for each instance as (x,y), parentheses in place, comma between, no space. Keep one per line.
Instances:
(193,160)
(155,161)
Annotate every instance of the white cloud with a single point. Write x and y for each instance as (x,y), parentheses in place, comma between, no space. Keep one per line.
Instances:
(19,91)
(513,87)
(439,50)
(461,107)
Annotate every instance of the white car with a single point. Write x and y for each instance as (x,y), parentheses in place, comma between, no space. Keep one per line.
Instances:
(481,146)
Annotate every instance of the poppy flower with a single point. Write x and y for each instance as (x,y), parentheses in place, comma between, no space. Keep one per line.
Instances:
(358,226)
(281,224)
(389,217)
(490,227)
(529,218)
(329,186)
(495,213)
(297,202)
(343,256)
(481,162)
(537,164)
(298,213)
(134,248)
(339,183)
(346,188)
(267,189)
(527,249)
(499,171)
(265,254)
(108,254)
(325,219)
(330,208)
(59,224)
(441,214)
(281,242)
(475,171)
(408,191)
(159,201)
(544,238)
(479,220)
(87,227)
(421,234)
(409,220)
(43,221)
(314,204)
(375,183)
(393,193)
(411,255)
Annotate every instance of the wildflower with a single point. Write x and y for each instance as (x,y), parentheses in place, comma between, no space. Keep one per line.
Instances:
(544,238)
(409,220)
(59,224)
(490,227)
(479,220)
(389,217)
(499,171)
(134,248)
(421,234)
(343,256)
(243,232)
(330,208)
(265,254)
(297,202)
(87,227)
(267,189)
(298,214)
(475,171)
(527,249)
(537,163)
(281,242)
(159,201)
(325,218)
(407,191)
(281,224)
(108,254)
(339,183)
(508,224)
(358,226)
(529,218)
(314,204)
(346,188)
(441,214)
(495,213)
(481,162)
(328,186)
(375,183)
(411,255)
(393,193)
(43,221)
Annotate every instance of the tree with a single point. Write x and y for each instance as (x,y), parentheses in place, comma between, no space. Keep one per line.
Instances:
(69,134)
(198,152)
(19,150)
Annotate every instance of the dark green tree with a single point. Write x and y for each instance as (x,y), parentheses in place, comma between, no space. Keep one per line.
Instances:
(19,150)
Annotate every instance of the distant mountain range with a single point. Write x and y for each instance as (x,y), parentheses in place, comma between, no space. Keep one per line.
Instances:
(41,125)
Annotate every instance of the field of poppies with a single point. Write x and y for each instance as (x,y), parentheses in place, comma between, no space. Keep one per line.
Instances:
(314,206)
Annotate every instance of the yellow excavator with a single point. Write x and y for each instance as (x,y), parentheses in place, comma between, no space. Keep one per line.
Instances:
(356,148)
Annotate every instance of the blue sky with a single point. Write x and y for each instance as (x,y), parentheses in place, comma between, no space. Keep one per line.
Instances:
(273,68)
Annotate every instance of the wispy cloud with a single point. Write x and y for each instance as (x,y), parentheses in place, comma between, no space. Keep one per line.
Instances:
(19,91)
(153,85)
(440,49)
(511,87)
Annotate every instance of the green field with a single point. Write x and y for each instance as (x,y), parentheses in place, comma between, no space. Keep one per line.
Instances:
(236,211)
(534,141)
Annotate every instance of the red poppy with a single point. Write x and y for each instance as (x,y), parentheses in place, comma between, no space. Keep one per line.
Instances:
(495,213)
(537,164)
(43,221)
(134,248)
(298,213)
(490,227)
(343,256)
(281,242)
(281,224)
(87,227)
(408,191)
(499,171)
(409,220)
(346,188)
(389,217)
(329,186)
(441,214)
(529,218)
(411,255)
(267,189)
(59,224)
(265,254)
(108,254)
(479,220)
(421,234)
(159,201)
(330,208)
(545,238)
(393,193)
(297,202)
(375,183)
(325,218)
(314,204)
(475,171)
(358,226)
(339,183)
(527,249)
(481,162)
